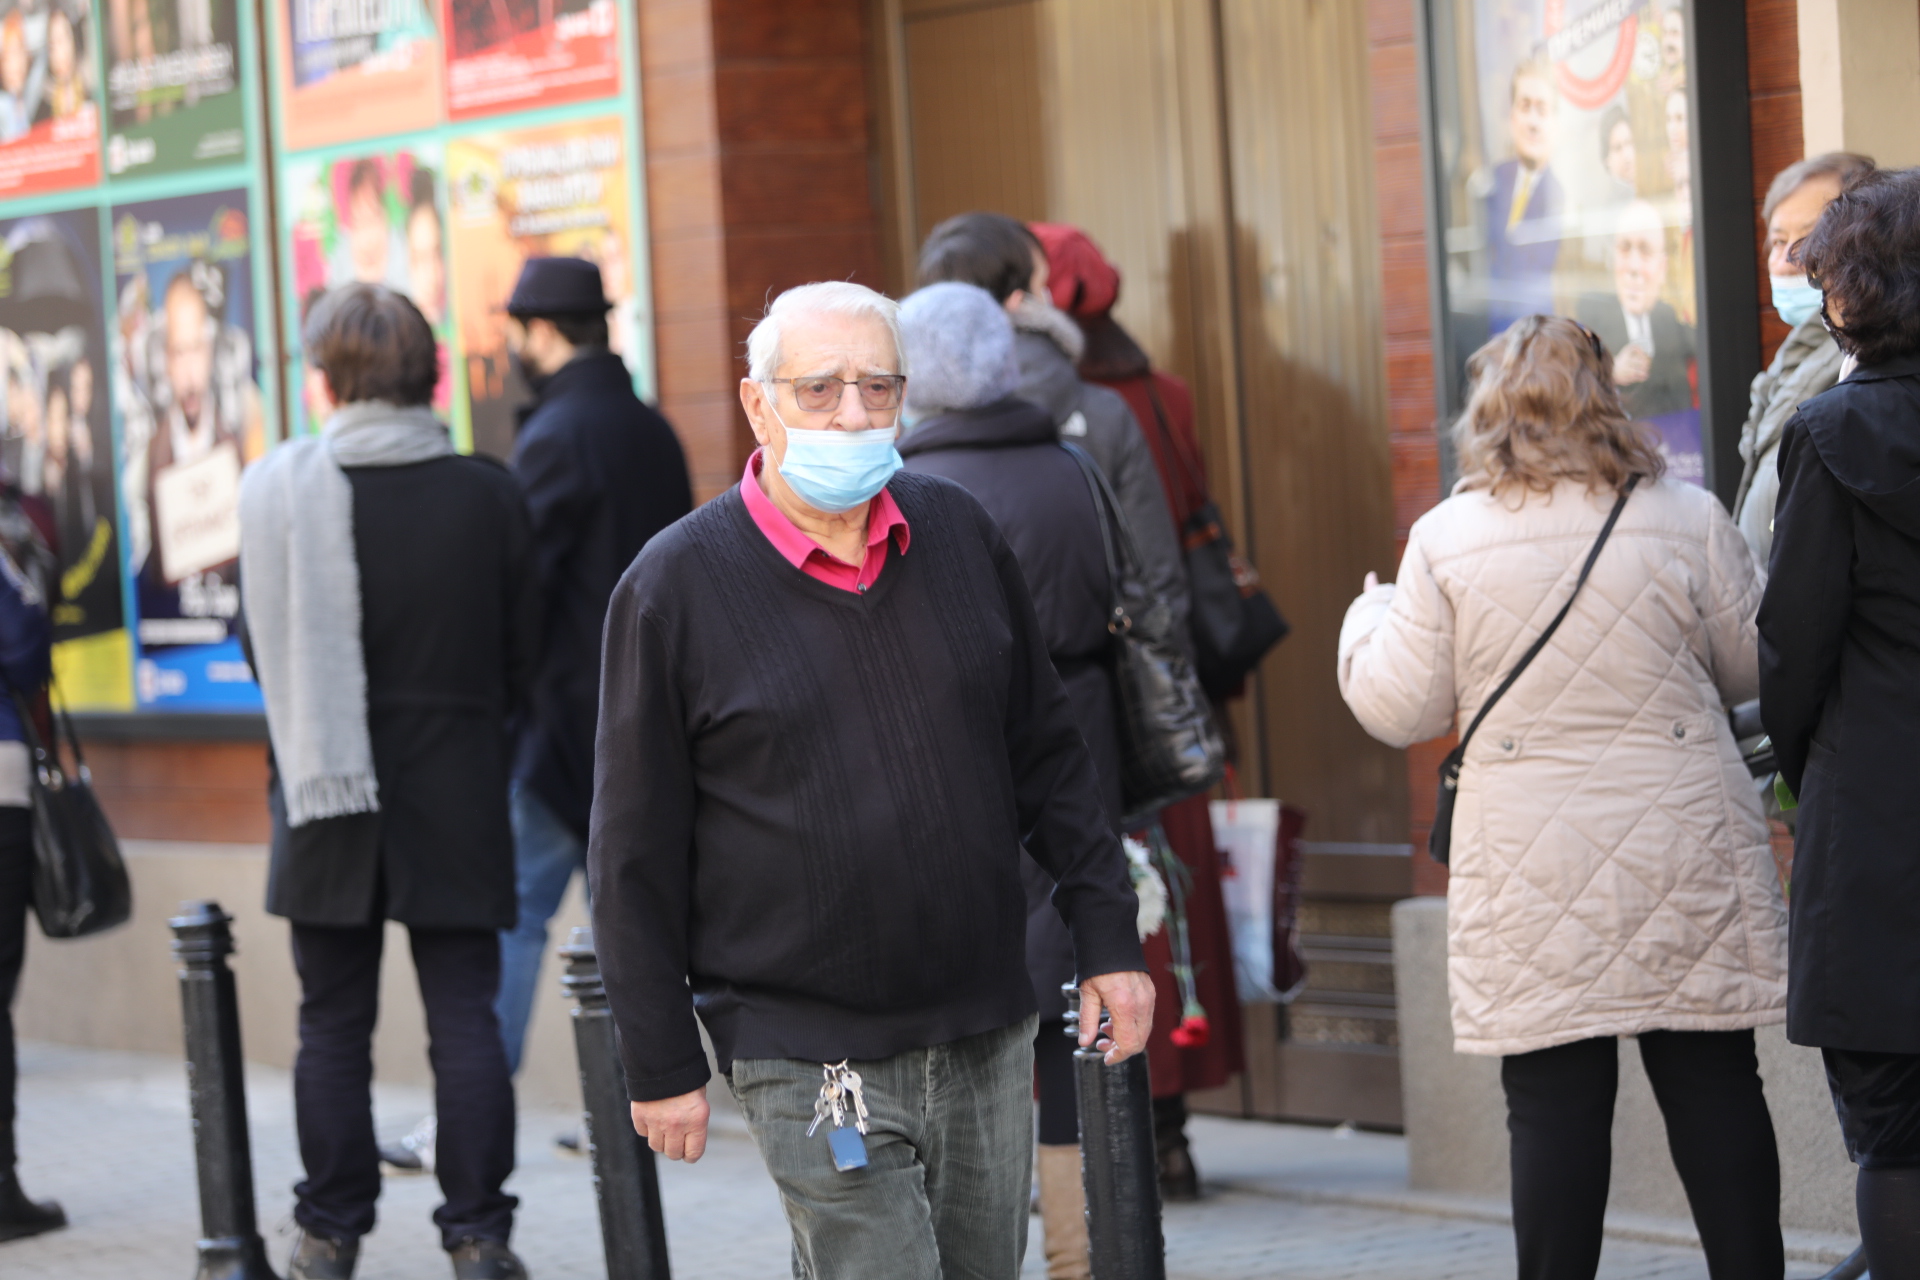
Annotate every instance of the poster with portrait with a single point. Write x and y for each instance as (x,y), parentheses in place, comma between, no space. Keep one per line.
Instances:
(173,86)
(560,190)
(353,69)
(1566,186)
(511,55)
(377,217)
(57,439)
(187,386)
(49,97)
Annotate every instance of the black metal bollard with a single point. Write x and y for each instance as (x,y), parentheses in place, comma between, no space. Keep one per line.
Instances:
(230,1244)
(625,1180)
(1117,1163)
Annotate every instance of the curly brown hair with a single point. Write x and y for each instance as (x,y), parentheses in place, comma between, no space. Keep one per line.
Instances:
(1543,408)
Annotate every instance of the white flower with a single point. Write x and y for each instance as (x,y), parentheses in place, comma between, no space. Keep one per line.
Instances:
(1147,886)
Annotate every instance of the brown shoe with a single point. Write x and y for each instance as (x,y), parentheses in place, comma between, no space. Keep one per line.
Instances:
(486,1260)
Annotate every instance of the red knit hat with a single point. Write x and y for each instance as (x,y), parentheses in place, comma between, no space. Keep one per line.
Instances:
(1083,283)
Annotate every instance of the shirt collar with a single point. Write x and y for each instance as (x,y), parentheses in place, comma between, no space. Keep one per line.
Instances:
(884,519)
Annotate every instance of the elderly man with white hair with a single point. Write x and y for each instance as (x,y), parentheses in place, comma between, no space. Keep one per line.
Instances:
(828,725)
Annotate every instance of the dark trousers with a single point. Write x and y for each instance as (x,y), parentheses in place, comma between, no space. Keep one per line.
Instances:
(459,972)
(1560,1116)
(1053,1070)
(16,884)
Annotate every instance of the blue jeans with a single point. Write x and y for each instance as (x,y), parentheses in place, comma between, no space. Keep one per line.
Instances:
(545,854)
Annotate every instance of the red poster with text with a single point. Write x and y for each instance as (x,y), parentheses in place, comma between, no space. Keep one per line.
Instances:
(510,55)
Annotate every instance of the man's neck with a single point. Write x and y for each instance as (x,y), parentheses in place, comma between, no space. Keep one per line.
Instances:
(841,534)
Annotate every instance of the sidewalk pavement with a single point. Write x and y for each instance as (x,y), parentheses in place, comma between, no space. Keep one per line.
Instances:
(108,1134)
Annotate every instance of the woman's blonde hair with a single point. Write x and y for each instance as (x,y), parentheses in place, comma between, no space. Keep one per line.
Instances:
(1543,408)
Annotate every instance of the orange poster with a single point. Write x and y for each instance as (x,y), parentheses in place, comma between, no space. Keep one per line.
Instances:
(559,190)
(357,69)
(511,55)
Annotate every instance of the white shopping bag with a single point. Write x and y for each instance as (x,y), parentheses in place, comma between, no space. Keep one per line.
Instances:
(1247,833)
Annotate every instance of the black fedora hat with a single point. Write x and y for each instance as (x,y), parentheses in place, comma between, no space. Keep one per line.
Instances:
(558,287)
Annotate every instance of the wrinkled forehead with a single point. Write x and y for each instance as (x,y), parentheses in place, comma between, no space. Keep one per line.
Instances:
(848,346)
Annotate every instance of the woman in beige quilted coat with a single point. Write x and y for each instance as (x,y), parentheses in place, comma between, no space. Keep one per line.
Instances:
(1610,867)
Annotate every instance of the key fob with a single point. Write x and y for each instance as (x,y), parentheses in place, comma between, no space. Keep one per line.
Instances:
(849,1149)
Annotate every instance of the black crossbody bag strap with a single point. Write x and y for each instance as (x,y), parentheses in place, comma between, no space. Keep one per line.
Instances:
(1440,838)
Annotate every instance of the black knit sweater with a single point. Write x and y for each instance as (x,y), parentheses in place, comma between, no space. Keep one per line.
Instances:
(809,803)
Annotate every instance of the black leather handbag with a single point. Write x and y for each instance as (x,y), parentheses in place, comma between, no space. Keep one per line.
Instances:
(1234,622)
(1440,839)
(1169,746)
(80,883)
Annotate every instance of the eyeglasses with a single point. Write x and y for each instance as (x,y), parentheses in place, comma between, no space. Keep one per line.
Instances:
(878,391)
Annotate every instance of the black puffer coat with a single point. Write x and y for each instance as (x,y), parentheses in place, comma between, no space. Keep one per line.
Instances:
(1840,693)
(1008,456)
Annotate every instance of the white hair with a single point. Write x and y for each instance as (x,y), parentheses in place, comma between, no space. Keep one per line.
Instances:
(827,298)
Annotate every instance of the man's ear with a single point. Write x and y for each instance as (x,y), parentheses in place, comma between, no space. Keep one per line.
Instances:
(753,400)
(1014,299)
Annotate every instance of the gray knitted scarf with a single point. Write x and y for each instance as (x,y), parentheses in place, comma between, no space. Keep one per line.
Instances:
(302,591)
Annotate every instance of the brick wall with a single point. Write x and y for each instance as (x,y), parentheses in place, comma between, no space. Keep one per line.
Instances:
(757,141)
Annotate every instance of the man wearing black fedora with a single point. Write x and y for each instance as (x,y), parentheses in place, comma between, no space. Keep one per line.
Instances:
(602,473)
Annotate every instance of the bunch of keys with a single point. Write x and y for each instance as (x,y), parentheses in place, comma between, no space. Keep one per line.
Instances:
(838,1096)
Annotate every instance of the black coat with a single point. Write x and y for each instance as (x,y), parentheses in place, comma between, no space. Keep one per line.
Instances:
(449,624)
(1667,388)
(1008,456)
(602,473)
(1840,694)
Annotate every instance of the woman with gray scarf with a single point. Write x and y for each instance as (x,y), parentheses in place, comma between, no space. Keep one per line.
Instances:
(1808,362)
(391,616)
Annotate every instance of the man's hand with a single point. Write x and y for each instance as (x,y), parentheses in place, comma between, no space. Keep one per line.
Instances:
(1128,1000)
(677,1127)
(1633,365)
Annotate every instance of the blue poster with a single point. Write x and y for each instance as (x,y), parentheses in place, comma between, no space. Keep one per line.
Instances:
(187,387)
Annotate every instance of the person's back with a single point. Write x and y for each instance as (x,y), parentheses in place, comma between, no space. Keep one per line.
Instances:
(602,473)
(1610,871)
(391,619)
(441,547)
(1840,695)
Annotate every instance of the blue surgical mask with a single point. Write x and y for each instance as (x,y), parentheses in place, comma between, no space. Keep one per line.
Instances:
(839,470)
(1794,298)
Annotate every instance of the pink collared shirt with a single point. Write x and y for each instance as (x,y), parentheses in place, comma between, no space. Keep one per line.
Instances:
(808,556)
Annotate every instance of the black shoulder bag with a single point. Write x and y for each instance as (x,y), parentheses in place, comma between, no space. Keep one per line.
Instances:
(1169,746)
(80,882)
(1440,839)
(1233,621)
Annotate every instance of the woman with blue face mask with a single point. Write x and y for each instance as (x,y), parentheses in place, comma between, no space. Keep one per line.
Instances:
(1808,362)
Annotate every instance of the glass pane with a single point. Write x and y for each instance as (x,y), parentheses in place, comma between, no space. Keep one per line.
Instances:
(1566,182)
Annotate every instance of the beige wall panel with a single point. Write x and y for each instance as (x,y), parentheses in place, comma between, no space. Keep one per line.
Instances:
(973,107)
(1313,382)
(1136,157)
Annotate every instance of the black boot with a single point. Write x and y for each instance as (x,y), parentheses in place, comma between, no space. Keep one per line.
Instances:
(21,1217)
(1179,1180)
